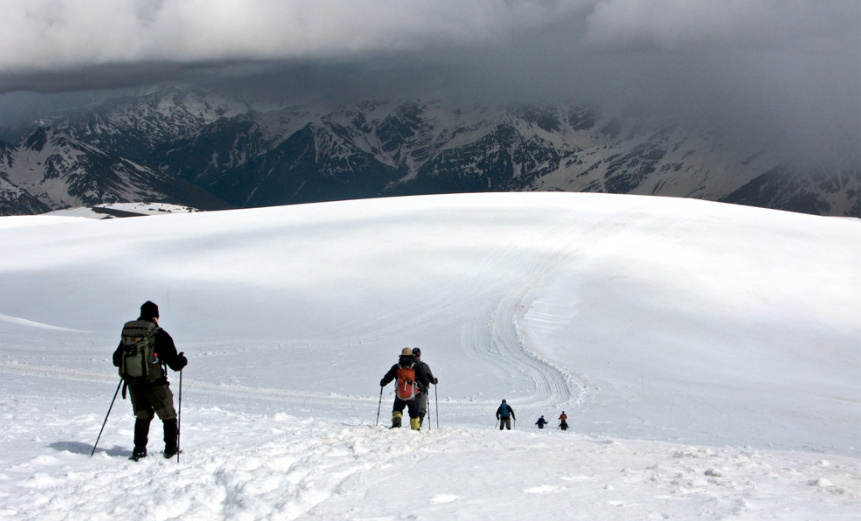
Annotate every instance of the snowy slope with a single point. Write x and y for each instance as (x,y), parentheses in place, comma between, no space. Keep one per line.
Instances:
(706,354)
(119,210)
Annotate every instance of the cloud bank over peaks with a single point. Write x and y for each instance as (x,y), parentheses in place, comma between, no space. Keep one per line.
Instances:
(65,35)
(56,34)
(785,71)
(678,25)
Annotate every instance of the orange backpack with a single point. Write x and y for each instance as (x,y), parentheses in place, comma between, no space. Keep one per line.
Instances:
(407,386)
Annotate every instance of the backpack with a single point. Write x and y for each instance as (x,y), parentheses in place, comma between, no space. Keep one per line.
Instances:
(504,410)
(407,387)
(140,363)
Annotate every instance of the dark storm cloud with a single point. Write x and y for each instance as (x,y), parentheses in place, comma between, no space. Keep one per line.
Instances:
(786,71)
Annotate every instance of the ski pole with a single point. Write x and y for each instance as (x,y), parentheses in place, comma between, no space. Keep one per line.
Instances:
(436,400)
(379,405)
(106,417)
(179,417)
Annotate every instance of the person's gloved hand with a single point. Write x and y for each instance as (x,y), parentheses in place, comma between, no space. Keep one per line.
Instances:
(182,361)
(435,381)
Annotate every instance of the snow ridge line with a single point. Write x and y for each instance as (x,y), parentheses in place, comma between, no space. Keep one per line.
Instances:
(277,395)
(56,372)
(30,323)
(227,389)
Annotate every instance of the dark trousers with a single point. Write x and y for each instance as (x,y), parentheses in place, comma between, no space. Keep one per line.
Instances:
(147,402)
(412,406)
(423,404)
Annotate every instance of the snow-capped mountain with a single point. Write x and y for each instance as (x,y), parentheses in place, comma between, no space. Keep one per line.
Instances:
(132,126)
(51,170)
(253,156)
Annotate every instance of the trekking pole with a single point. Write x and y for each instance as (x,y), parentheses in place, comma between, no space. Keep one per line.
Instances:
(179,417)
(379,405)
(436,400)
(106,417)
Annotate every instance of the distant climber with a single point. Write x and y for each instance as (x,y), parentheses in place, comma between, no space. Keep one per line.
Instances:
(562,423)
(505,414)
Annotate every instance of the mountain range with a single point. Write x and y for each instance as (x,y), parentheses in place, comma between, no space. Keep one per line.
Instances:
(211,152)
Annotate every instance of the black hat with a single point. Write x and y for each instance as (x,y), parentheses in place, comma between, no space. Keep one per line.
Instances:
(417,351)
(149,310)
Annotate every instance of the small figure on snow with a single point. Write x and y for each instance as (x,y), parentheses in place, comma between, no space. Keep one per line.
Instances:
(504,414)
(144,351)
(410,377)
(562,423)
(541,422)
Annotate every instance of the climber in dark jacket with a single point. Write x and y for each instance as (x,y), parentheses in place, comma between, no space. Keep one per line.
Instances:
(154,398)
(406,362)
(504,414)
(423,396)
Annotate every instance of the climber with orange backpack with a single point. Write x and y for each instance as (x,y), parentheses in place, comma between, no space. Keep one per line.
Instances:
(410,378)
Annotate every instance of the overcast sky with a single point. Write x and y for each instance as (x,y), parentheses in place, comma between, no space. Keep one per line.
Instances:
(790,69)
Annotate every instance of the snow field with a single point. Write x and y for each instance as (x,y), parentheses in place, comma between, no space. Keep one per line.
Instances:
(706,355)
(271,465)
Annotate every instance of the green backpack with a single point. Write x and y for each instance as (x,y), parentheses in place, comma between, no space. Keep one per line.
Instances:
(140,363)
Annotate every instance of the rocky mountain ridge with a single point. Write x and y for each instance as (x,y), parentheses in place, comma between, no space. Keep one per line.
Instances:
(191,148)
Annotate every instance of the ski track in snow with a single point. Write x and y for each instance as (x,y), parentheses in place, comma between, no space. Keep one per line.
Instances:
(553,386)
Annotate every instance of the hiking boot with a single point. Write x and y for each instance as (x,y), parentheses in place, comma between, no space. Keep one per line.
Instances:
(415,424)
(138,454)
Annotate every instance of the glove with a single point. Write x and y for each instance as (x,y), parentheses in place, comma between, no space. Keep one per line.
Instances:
(183,361)
(382,383)
(435,381)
